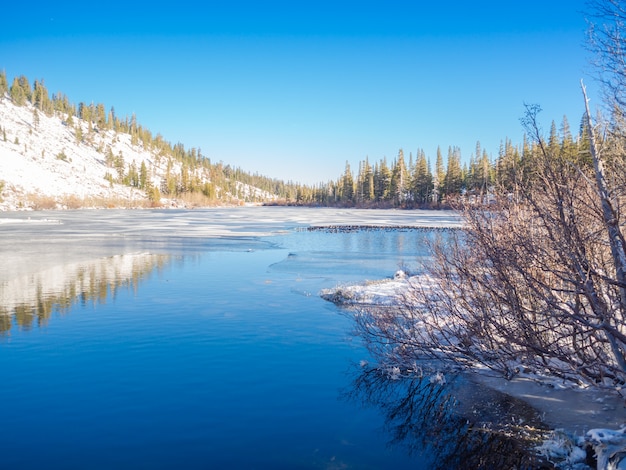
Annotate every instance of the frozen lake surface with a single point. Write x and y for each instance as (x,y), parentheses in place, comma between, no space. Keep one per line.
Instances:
(197,339)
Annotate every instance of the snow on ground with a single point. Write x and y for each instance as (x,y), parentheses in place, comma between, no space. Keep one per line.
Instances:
(44,159)
(382,292)
(580,417)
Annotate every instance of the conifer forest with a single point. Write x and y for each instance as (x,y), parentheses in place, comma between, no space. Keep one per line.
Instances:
(413,180)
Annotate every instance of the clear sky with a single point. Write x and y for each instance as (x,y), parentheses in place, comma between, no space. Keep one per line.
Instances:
(294,89)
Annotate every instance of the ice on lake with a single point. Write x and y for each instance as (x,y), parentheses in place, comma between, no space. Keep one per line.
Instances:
(143,336)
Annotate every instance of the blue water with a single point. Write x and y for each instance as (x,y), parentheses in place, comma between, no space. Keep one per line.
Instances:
(217,354)
(197,339)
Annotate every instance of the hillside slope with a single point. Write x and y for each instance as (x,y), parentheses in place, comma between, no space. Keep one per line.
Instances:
(47,163)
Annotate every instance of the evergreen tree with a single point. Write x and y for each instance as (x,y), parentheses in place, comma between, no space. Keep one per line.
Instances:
(4,84)
(41,99)
(569,149)
(453,180)
(382,182)
(399,180)
(110,120)
(17,93)
(368,182)
(35,118)
(101,119)
(485,173)
(554,143)
(154,195)
(509,170)
(61,103)
(79,133)
(479,175)
(25,86)
(143,175)
(583,138)
(132,178)
(119,166)
(422,185)
(347,185)
(440,175)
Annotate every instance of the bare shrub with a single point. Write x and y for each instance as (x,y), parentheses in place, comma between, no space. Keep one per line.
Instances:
(73,202)
(40,202)
(196,199)
(534,283)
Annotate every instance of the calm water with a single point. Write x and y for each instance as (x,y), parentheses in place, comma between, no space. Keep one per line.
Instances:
(197,340)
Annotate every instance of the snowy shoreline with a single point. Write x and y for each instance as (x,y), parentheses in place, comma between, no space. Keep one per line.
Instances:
(581,418)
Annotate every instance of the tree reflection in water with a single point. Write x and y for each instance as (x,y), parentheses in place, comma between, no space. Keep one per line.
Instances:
(457,424)
(33,299)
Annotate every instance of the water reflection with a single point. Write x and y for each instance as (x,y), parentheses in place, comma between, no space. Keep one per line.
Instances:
(458,424)
(31,299)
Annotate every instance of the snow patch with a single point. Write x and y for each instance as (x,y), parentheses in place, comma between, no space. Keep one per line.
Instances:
(547,394)
(41,157)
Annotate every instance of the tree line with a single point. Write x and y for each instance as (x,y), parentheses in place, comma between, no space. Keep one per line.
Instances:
(414,182)
(534,284)
(404,182)
(187,170)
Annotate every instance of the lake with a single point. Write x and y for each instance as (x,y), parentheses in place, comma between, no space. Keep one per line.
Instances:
(197,339)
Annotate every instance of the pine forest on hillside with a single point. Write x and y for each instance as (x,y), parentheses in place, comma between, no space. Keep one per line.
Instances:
(186,174)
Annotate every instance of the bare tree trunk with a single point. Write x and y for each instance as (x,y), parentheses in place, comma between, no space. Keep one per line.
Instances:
(611,220)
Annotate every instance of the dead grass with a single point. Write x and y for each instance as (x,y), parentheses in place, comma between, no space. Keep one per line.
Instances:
(196,199)
(73,202)
(40,203)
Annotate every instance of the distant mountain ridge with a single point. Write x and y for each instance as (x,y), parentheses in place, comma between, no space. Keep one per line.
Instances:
(56,160)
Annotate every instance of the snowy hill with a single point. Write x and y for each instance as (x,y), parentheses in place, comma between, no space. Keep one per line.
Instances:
(48,163)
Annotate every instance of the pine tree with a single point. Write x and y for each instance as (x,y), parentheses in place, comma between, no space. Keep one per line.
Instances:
(440,175)
(41,98)
(4,84)
(399,180)
(554,143)
(347,184)
(35,118)
(422,185)
(119,165)
(382,181)
(486,173)
(509,170)
(143,176)
(453,180)
(101,119)
(368,182)
(79,133)
(154,195)
(110,121)
(25,86)
(17,93)
(569,149)
(132,178)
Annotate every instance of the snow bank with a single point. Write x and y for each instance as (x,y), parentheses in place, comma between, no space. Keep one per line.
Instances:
(385,292)
(574,410)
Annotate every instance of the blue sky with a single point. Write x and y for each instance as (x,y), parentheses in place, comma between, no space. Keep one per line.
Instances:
(293,90)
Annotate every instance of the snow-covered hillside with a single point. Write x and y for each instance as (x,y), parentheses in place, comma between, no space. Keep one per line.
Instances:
(43,164)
